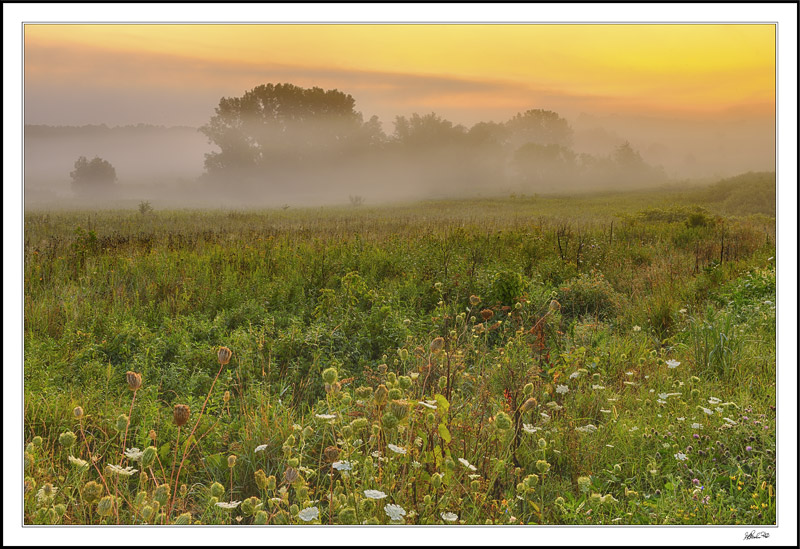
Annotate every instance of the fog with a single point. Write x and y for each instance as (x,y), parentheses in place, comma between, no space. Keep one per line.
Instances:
(255,154)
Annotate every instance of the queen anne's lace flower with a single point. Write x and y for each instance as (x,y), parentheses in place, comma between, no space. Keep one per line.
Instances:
(429,404)
(562,389)
(394,512)
(309,514)
(374,494)
(342,465)
(78,462)
(125,472)
(133,454)
(325,416)
(449,517)
(260,448)
(396,449)
(228,504)
(672,363)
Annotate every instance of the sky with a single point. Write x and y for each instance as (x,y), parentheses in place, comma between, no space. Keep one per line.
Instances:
(175,74)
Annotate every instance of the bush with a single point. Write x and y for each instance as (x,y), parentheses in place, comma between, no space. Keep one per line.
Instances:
(92,175)
(588,293)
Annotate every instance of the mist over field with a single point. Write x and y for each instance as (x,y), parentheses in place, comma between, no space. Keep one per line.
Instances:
(435,158)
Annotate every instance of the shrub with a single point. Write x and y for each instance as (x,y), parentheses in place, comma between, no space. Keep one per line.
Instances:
(588,293)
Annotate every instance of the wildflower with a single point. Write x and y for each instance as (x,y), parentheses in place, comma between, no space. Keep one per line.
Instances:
(503,421)
(429,404)
(133,454)
(396,449)
(290,475)
(180,413)
(608,498)
(729,420)
(680,456)
(381,395)
(342,465)
(184,519)
(77,412)
(697,426)
(67,439)
(529,404)
(106,506)
(597,387)
(542,466)
(437,344)
(125,472)
(374,494)
(474,300)
(260,448)
(528,428)
(707,411)
(92,491)
(672,363)
(748,449)
(228,504)
(555,305)
(224,355)
(449,517)
(574,375)
(148,456)
(467,464)
(487,314)
(325,416)
(394,512)
(231,461)
(584,483)
(586,428)
(46,493)
(134,380)
(562,389)
(79,463)
(308,514)
(713,400)
(637,328)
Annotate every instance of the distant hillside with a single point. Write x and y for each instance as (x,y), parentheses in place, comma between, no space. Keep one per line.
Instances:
(745,194)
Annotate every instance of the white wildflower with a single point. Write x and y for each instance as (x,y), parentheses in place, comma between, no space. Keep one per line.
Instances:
(126,472)
(528,428)
(672,363)
(260,448)
(429,404)
(729,420)
(713,400)
(605,411)
(473,476)
(632,429)
(394,512)
(597,387)
(680,456)
(586,428)
(697,426)
(228,505)
(467,464)
(396,449)
(680,419)
(374,494)
(637,328)
(342,466)
(707,411)
(309,513)
(574,375)
(78,462)
(133,454)
(631,383)
(628,373)
(554,405)
(449,517)
(562,389)
(325,416)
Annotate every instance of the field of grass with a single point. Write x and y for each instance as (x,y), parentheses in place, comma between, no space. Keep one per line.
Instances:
(604,359)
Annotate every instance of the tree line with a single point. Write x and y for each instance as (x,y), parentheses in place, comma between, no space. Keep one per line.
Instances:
(281,134)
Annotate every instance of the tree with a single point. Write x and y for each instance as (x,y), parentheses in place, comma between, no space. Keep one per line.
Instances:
(427,131)
(539,126)
(276,125)
(544,163)
(92,175)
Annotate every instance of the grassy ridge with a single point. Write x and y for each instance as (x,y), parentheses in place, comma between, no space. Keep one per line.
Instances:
(586,305)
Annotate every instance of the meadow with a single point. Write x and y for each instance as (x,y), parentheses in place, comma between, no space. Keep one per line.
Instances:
(594,359)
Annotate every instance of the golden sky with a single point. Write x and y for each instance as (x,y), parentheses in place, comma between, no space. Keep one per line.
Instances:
(465,72)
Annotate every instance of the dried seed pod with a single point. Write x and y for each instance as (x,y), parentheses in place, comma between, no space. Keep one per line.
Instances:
(437,344)
(134,380)
(224,355)
(331,453)
(487,314)
(180,413)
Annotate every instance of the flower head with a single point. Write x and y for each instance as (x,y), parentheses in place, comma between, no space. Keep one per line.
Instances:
(672,363)
(134,380)
(308,514)
(396,449)
(562,389)
(449,517)
(394,512)
(374,494)
(342,465)
(125,472)
(467,464)
(133,454)
(228,504)
(224,355)
(180,413)
(78,462)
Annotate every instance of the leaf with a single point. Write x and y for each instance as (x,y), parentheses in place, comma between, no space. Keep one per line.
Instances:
(444,433)
(437,452)
(669,486)
(535,507)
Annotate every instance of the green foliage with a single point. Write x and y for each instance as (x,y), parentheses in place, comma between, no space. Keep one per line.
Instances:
(596,397)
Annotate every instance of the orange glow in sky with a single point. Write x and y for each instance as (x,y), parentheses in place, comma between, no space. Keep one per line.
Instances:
(490,71)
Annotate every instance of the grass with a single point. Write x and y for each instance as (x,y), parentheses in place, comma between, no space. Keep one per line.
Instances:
(500,361)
